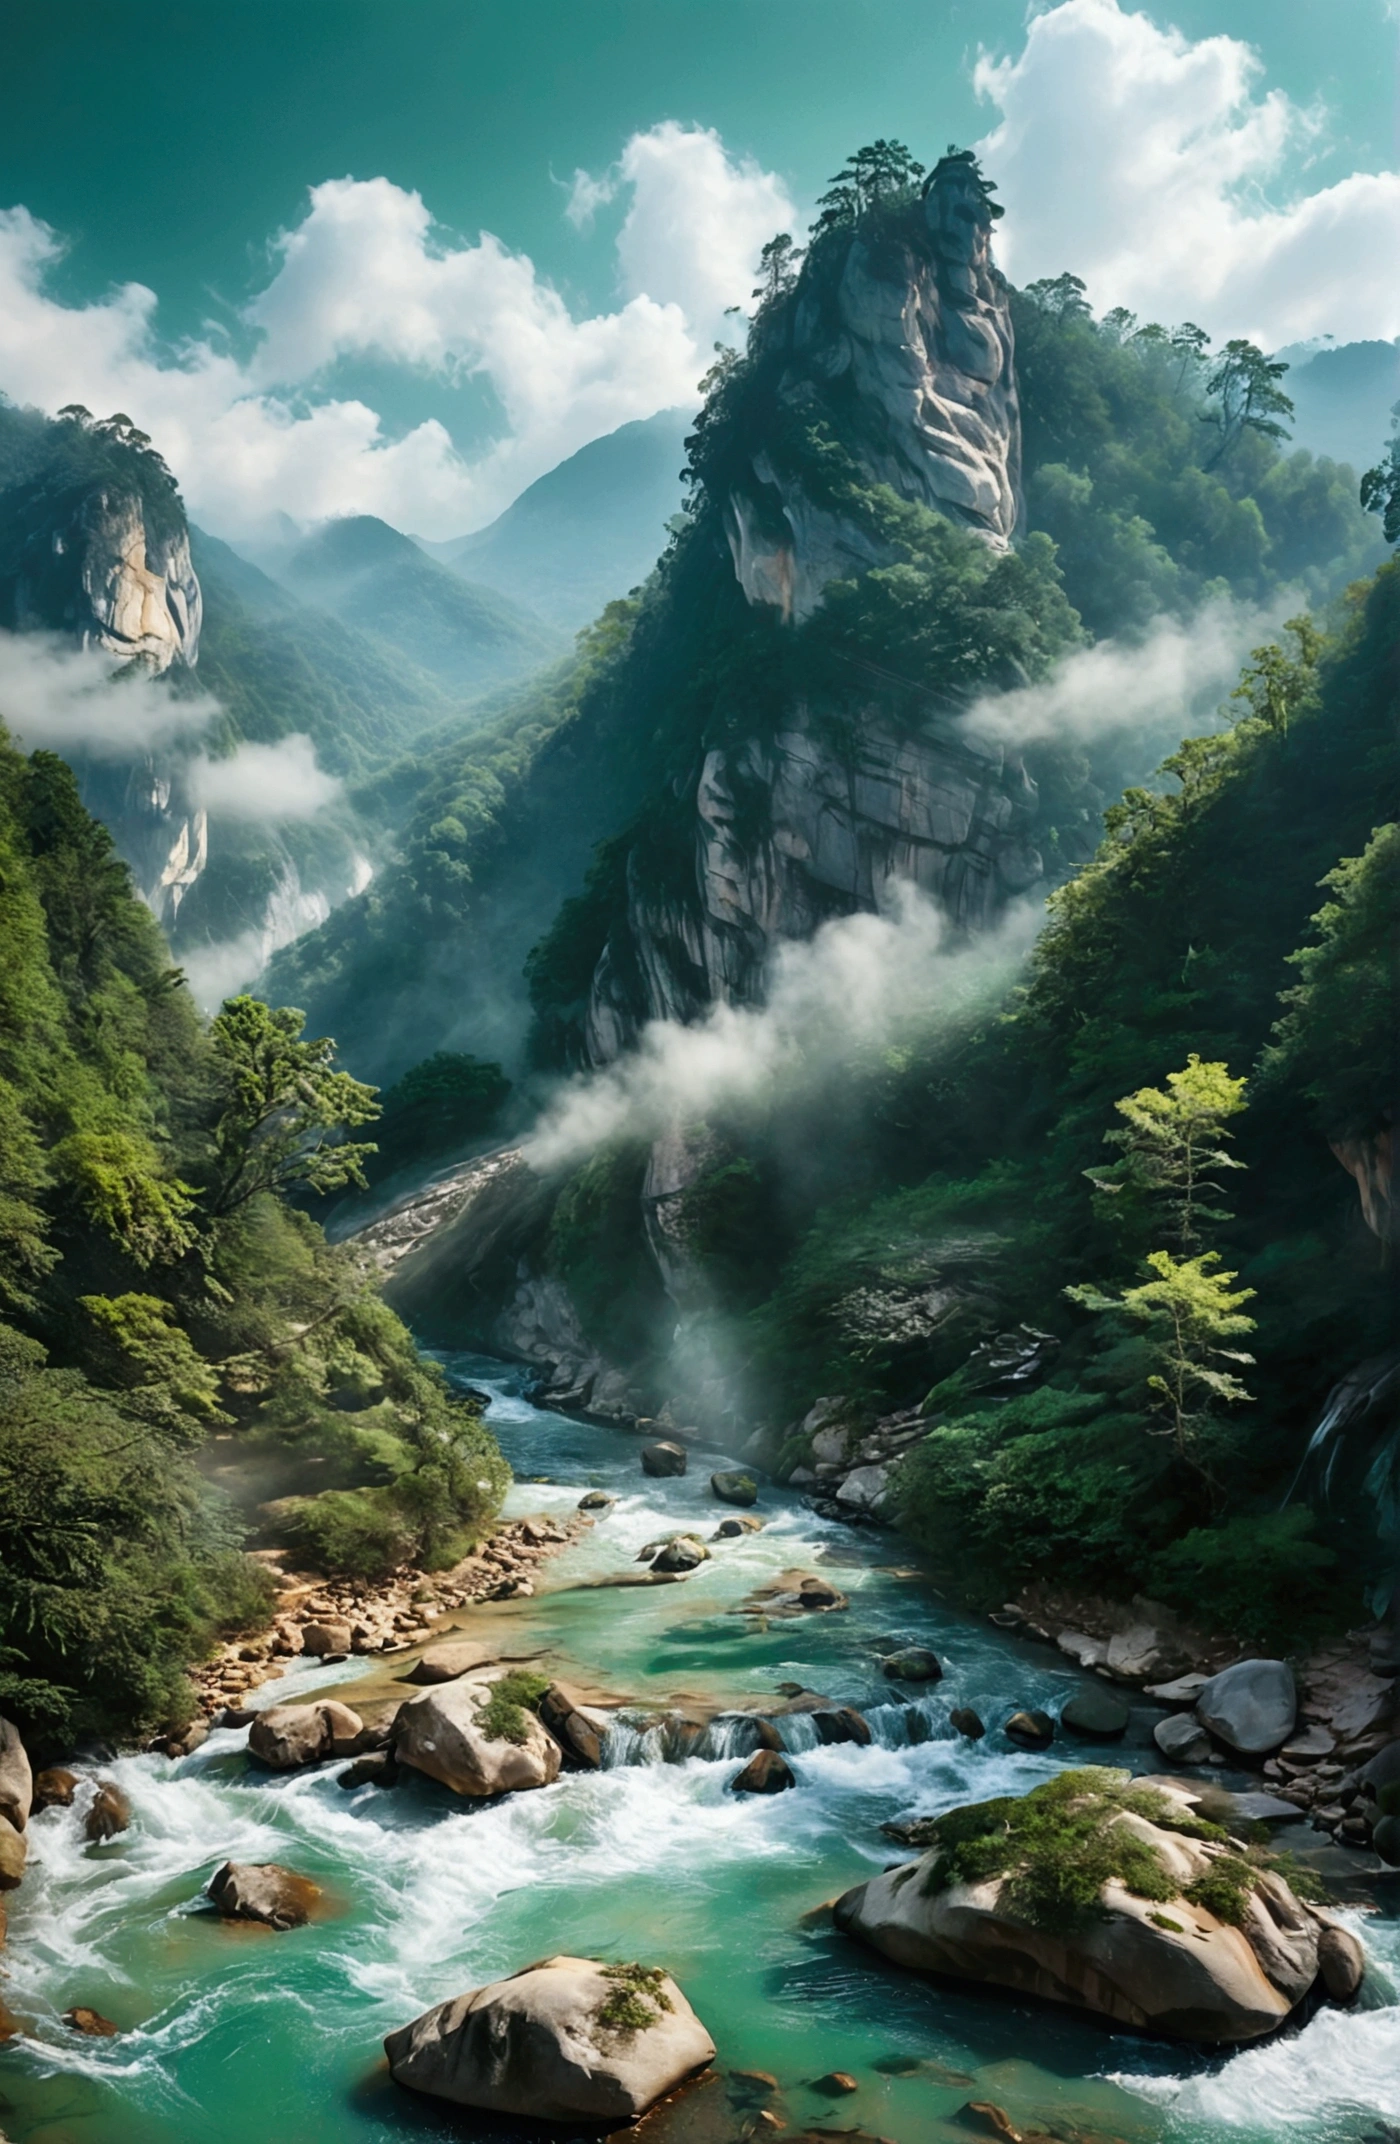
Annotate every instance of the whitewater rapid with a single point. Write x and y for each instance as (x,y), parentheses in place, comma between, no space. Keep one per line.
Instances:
(240,2034)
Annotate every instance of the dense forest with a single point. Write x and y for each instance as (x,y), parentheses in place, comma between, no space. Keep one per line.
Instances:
(162,1297)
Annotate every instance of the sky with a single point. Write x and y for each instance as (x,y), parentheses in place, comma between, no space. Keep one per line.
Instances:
(337,257)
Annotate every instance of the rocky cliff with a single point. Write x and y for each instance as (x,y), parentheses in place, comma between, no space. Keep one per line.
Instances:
(894,351)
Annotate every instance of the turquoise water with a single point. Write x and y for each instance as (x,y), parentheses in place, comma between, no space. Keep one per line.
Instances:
(233,2036)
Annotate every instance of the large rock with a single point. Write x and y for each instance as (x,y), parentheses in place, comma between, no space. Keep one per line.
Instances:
(54,1789)
(580,1730)
(1252,1707)
(913,1663)
(684,1553)
(440,1733)
(323,1639)
(767,1772)
(1182,1739)
(1095,1716)
(734,1488)
(13,1854)
(1154,1964)
(263,1891)
(16,1779)
(288,1736)
(736,1524)
(109,1812)
(663,1458)
(566,2040)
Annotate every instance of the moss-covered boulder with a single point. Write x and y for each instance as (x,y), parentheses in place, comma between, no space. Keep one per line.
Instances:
(480,1735)
(567,2040)
(1113,1898)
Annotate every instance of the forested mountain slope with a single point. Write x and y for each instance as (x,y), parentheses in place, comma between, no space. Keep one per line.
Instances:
(157,1291)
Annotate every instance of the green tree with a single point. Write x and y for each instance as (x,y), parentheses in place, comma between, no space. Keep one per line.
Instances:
(1248,398)
(883,171)
(286,1108)
(1191,345)
(1380,486)
(1062,297)
(1188,1310)
(1277,686)
(1174,1145)
(778,264)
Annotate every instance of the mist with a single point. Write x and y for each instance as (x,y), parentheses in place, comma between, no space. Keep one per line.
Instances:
(1165,682)
(59,698)
(860,984)
(266,783)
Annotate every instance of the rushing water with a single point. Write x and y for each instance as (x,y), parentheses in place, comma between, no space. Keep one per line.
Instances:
(239,2034)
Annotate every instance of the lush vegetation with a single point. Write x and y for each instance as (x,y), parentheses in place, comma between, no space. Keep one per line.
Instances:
(177,1343)
(1056,1847)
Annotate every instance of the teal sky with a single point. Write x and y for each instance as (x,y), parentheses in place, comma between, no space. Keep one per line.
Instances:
(1228,161)
(168,151)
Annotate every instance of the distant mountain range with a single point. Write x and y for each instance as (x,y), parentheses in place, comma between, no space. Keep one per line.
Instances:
(1343,398)
(588,531)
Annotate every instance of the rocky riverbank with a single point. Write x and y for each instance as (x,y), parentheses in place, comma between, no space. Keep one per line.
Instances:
(333,1619)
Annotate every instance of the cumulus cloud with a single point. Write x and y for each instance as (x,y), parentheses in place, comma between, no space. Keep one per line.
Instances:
(267,783)
(1161,683)
(367,273)
(856,986)
(1139,158)
(59,698)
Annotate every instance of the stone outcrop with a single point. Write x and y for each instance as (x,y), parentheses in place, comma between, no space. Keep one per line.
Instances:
(569,2039)
(440,1733)
(16,1778)
(110,581)
(1167,1967)
(1252,1707)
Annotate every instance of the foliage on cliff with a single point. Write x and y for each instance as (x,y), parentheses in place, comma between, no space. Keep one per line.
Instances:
(165,1319)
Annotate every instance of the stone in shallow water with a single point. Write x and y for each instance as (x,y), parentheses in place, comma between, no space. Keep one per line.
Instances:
(596,1500)
(1030,1730)
(1095,1716)
(543,2044)
(686,1553)
(110,1812)
(263,1891)
(664,1458)
(737,1523)
(1182,1739)
(913,1663)
(1251,1707)
(54,1789)
(734,1488)
(767,1772)
(91,2023)
(967,1722)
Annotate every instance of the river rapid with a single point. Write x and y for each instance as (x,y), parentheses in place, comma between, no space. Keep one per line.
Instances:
(238,2036)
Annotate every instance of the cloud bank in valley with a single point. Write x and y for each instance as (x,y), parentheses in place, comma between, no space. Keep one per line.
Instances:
(268,783)
(856,986)
(58,698)
(1157,686)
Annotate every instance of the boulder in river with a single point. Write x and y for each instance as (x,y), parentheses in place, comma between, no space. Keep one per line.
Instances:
(1094,1716)
(685,1553)
(263,1891)
(664,1458)
(54,1789)
(90,2023)
(567,2040)
(767,1772)
(913,1663)
(737,1523)
(1098,1892)
(964,1721)
(1030,1729)
(579,1729)
(842,1723)
(109,1813)
(1252,1707)
(376,1768)
(16,1779)
(734,1487)
(464,1656)
(1182,1739)
(477,1739)
(286,1737)
(596,1500)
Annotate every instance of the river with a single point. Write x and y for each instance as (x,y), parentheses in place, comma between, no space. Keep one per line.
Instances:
(238,2036)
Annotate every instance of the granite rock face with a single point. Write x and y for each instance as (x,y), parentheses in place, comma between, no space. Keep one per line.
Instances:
(108,581)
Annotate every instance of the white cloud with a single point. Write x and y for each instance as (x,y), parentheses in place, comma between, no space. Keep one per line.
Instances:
(366,273)
(858,984)
(59,698)
(268,783)
(1138,158)
(1165,682)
